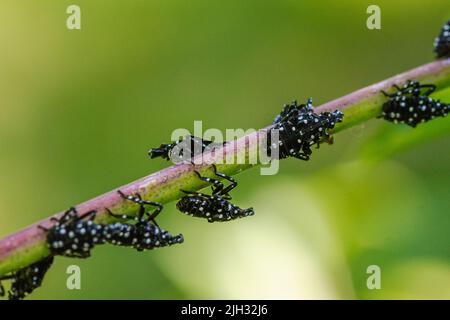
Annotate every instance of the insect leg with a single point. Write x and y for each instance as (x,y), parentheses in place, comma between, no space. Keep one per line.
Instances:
(138,200)
(217,186)
(120,216)
(431,88)
(151,217)
(91,214)
(302,156)
(233,184)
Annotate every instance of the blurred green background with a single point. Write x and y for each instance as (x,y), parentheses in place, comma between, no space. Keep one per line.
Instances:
(79,110)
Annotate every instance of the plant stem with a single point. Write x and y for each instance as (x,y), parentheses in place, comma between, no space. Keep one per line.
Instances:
(28,245)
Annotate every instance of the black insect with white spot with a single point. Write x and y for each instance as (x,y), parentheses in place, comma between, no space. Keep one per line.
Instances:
(176,151)
(442,42)
(26,280)
(144,234)
(215,207)
(291,109)
(75,235)
(412,105)
(299,128)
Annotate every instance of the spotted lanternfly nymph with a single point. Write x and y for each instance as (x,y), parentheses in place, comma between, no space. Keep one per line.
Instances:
(412,105)
(25,280)
(299,128)
(215,207)
(442,42)
(73,235)
(144,234)
(291,108)
(175,151)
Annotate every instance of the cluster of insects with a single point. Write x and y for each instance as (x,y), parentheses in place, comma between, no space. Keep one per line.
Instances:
(442,42)
(299,128)
(74,235)
(411,104)
(215,207)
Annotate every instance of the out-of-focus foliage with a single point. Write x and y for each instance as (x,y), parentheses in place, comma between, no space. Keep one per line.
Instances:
(79,110)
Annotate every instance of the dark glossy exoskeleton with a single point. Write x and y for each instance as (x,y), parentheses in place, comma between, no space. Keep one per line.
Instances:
(299,128)
(442,42)
(176,150)
(144,234)
(74,235)
(215,207)
(412,105)
(26,280)
(290,109)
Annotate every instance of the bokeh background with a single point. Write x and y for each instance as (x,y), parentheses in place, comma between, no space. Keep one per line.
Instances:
(79,110)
